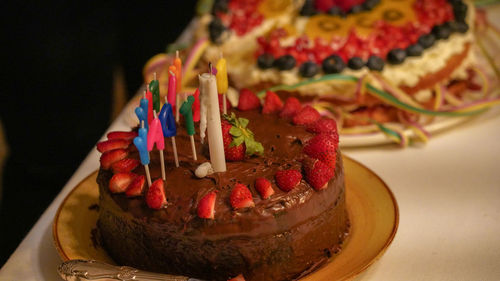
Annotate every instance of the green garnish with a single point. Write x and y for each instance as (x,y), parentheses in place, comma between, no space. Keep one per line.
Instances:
(241,134)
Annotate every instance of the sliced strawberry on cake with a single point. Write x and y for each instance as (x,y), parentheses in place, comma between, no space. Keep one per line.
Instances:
(112,144)
(206,206)
(248,100)
(263,186)
(287,179)
(122,135)
(109,157)
(155,198)
(136,187)
(324,148)
(317,173)
(241,197)
(120,182)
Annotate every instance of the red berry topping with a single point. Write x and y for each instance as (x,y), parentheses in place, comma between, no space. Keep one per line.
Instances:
(136,186)
(324,5)
(206,206)
(287,179)
(112,156)
(264,188)
(241,197)
(232,153)
(237,278)
(248,100)
(125,165)
(155,198)
(238,139)
(317,173)
(272,103)
(121,135)
(120,182)
(291,107)
(306,115)
(111,144)
(324,148)
(324,125)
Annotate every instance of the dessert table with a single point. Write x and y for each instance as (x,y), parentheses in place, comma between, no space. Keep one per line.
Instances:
(448,192)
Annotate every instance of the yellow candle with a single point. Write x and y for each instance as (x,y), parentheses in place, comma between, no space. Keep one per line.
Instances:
(221,76)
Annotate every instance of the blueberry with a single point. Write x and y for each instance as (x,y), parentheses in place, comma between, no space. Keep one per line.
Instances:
(462,27)
(308,9)
(427,40)
(356,9)
(285,62)
(441,31)
(216,28)
(308,69)
(265,61)
(375,63)
(370,4)
(396,56)
(414,50)
(460,11)
(336,11)
(333,64)
(355,63)
(220,6)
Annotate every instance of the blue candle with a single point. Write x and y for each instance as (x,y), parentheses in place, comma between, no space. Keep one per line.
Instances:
(141,142)
(167,121)
(142,112)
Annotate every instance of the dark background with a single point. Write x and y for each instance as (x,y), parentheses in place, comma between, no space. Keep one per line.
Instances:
(58,59)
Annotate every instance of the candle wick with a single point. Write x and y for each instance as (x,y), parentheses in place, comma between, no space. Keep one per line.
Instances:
(154,113)
(145,92)
(177,53)
(154,75)
(142,124)
(171,73)
(210,68)
(166,100)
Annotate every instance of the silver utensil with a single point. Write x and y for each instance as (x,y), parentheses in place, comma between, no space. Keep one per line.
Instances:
(79,270)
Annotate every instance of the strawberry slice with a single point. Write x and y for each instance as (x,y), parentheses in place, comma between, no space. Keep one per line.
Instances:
(248,100)
(241,197)
(206,206)
(306,115)
(264,188)
(324,148)
(125,165)
(237,278)
(287,179)
(120,182)
(155,197)
(112,156)
(317,173)
(136,186)
(272,103)
(291,107)
(122,135)
(111,144)
(324,125)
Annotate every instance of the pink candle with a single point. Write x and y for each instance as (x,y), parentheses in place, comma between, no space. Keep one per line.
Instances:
(155,135)
(172,89)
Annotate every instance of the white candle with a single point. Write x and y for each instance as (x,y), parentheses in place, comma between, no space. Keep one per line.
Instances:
(208,87)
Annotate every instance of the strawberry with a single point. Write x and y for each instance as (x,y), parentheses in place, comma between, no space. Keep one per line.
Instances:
(264,188)
(248,100)
(241,197)
(125,165)
(111,144)
(324,5)
(306,115)
(112,156)
(272,103)
(317,173)
(206,206)
(238,139)
(237,278)
(122,135)
(136,186)
(120,182)
(324,148)
(292,106)
(155,198)
(287,179)
(323,125)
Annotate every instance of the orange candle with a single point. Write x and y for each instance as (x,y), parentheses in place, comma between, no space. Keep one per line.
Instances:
(178,72)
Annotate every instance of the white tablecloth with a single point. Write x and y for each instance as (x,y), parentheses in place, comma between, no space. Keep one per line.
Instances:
(448,193)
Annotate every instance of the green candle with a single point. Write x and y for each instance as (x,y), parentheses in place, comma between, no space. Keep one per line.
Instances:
(154,88)
(187,111)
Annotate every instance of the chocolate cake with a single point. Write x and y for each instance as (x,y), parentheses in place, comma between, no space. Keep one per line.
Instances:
(288,234)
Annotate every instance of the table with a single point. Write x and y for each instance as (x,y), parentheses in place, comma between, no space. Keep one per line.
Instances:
(448,193)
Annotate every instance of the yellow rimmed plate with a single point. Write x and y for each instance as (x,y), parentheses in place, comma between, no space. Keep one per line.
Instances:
(371,206)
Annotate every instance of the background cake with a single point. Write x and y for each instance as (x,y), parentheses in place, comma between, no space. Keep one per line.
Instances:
(273,215)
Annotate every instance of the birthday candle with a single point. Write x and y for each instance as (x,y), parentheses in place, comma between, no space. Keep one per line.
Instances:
(178,71)
(196,106)
(167,121)
(187,111)
(222,84)
(142,112)
(141,142)
(172,85)
(154,87)
(215,142)
(149,97)
(155,136)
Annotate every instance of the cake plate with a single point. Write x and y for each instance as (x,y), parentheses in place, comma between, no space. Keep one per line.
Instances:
(372,209)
